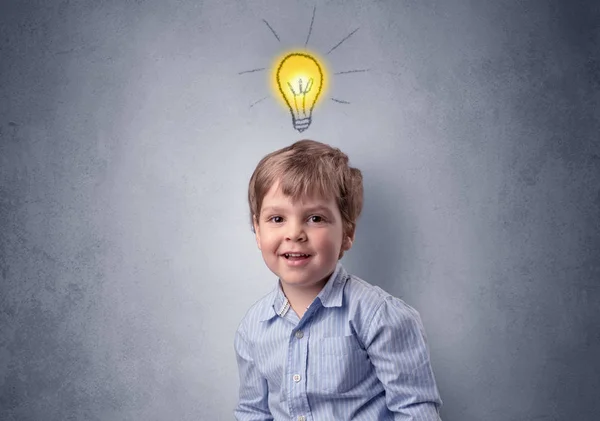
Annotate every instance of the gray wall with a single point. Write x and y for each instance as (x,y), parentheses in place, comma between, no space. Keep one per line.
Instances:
(126,144)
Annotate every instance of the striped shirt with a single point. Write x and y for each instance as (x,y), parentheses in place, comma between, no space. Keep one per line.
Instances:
(358,354)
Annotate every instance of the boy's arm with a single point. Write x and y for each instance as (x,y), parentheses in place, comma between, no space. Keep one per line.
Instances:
(397,347)
(253,395)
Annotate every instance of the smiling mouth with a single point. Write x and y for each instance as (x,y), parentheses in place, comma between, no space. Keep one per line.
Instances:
(296,256)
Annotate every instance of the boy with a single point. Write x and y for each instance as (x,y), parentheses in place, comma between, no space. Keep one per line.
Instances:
(324,345)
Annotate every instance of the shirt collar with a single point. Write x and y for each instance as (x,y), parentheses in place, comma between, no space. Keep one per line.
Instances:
(330,296)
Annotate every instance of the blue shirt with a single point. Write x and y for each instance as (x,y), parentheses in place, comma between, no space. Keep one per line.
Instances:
(358,353)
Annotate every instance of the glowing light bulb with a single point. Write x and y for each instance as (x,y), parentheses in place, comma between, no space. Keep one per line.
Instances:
(299,78)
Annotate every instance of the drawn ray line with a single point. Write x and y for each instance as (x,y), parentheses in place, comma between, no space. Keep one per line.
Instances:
(256,102)
(311,25)
(251,71)
(352,71)
(339,101)
(340,43)
(272,30)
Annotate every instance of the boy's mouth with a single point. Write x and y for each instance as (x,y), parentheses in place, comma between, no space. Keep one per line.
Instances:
(296,256)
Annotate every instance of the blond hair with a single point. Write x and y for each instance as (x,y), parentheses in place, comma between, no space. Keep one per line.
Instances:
(308,168)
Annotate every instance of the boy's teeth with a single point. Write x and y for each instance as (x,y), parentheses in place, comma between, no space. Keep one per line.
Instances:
(295,255)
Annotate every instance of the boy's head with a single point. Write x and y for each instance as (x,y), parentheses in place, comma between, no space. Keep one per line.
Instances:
(286,187)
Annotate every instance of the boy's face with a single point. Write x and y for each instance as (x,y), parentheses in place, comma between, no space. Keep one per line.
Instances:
(300,240)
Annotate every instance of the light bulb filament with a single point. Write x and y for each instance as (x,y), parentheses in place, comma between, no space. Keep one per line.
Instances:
(301,91)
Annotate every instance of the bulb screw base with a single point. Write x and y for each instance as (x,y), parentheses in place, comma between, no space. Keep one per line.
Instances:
(301,124)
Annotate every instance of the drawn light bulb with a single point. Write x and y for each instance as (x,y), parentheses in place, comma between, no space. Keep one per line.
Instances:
(299,78)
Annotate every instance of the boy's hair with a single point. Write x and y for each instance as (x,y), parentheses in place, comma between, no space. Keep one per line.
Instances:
(309,168)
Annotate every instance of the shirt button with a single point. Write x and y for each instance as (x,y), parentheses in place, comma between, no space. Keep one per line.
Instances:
(301,418)
(299,334)
(296,377)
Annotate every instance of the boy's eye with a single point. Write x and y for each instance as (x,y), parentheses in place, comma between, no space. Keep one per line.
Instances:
(276,219)
(316,219)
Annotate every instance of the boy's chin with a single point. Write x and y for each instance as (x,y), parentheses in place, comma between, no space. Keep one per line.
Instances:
(294,276)
(301,284)
(302,280)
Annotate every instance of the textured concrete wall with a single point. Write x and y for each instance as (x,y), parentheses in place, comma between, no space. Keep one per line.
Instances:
(127,140)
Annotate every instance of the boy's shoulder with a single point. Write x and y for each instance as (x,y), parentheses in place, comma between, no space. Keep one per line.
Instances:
(357,288)
(362,298)
(361,295)
(261,310)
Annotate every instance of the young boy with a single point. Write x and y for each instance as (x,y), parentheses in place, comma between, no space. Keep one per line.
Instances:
(324,345)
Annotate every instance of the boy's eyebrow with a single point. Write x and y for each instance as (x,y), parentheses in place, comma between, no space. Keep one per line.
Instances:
(318,208)
(323,209)
(272,209)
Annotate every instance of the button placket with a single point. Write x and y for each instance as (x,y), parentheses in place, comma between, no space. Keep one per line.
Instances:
(298,349)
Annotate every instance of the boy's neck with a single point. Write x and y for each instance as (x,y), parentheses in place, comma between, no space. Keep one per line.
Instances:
(301,298)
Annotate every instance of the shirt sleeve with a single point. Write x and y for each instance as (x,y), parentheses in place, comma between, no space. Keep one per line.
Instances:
(397,347)
(253,394)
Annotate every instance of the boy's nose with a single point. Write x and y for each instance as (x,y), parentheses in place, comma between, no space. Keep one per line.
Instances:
(295,232)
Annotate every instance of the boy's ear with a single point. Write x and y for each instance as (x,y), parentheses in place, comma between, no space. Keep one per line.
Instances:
(348,241)
(256,230)
(346,244)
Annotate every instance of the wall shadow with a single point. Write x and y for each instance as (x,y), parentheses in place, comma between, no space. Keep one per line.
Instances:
(383,253)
